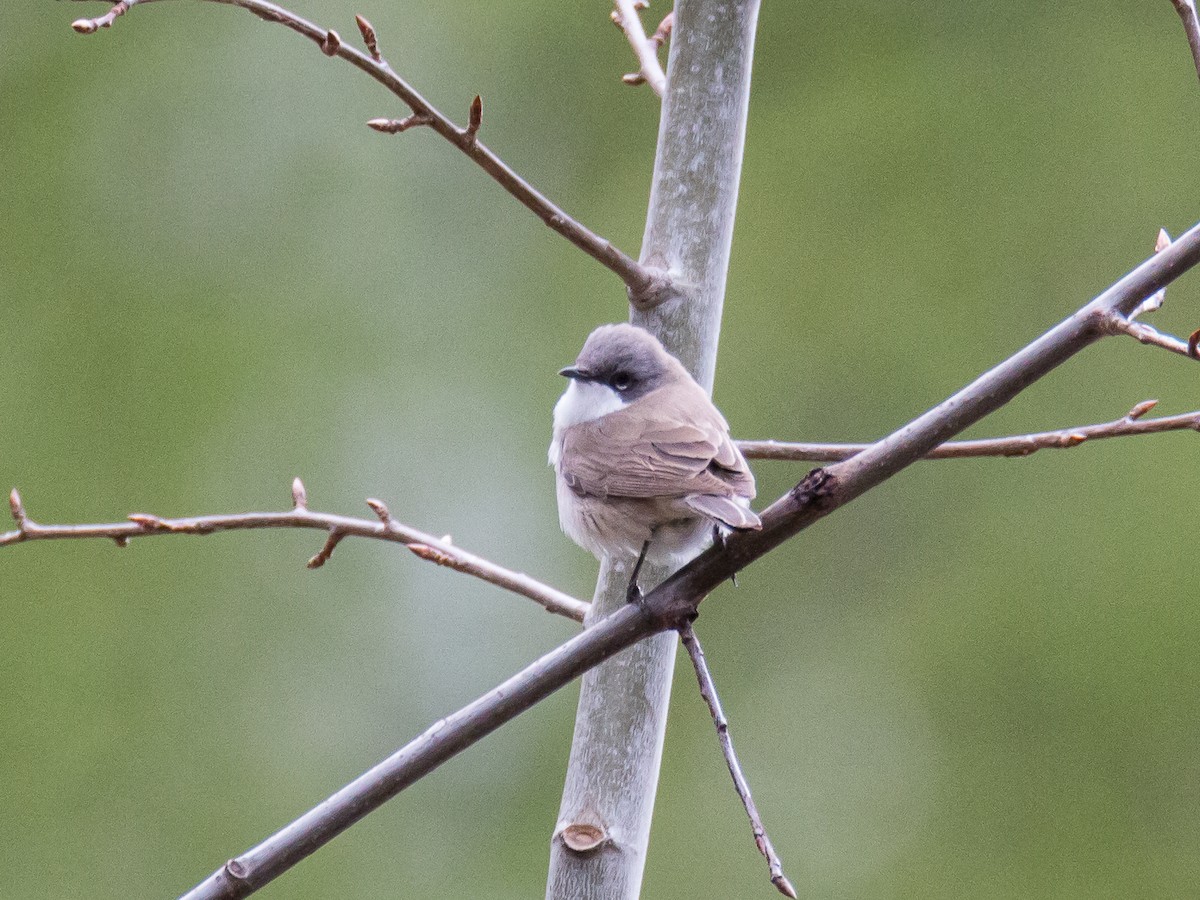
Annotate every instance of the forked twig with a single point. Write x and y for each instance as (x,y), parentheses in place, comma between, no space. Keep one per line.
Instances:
(708,690)
(425,546)
(647,286)
(650,70)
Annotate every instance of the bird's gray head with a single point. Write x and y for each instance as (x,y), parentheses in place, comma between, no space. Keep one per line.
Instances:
(626,359)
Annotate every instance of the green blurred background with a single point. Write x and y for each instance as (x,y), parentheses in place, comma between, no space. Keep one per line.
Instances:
(980,680)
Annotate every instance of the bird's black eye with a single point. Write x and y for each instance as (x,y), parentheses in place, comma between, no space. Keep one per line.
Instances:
(622,381)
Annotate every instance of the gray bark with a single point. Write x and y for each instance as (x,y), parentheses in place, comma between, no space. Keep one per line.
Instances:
(603,828)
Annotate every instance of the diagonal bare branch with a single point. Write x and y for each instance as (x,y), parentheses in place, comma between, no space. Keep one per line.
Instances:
(444,739)
(647,286)
(1191,26)
(708,690)
(824,490)
(386,528)
(1130,424)
(676,601)
(650,70)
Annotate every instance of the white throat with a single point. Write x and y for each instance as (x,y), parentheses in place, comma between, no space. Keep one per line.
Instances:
(581,402)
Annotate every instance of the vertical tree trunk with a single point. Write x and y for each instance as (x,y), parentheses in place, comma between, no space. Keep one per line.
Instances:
(599,844)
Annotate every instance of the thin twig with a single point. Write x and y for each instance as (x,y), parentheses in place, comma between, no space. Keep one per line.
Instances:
(674,602)
(425,546)
(650,70)
(1191,25)
(1015,445)
(647,286)
(708,690)
(1146,334)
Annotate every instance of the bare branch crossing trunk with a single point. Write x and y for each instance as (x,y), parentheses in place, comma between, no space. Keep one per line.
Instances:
(603,828)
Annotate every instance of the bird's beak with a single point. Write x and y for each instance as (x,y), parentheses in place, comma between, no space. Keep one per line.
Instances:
(575,373)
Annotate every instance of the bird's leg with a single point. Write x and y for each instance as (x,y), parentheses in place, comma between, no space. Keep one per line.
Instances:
(718,536)
(633,593)
(719,541)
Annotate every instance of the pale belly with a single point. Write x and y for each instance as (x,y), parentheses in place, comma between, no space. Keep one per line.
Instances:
(619,527)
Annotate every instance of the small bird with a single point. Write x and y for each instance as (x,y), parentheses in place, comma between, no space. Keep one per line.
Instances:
(643,460)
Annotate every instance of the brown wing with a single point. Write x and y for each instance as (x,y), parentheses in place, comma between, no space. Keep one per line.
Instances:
(674,453)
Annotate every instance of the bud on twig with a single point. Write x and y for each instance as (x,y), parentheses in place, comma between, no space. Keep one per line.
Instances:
(475,117)
(369,38)
(380,509)
(1141,409)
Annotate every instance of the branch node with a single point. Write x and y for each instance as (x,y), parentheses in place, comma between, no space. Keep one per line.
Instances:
(326,551)
(236,870)
(1193,342)
(149,522)
(121,540)
(299,494)
(814,488)
(583,837)
(332,43)
(395,126)
(432,554)
(369,38)
(655,289)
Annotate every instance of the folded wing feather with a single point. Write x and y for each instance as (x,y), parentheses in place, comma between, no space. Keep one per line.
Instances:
(671,456)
